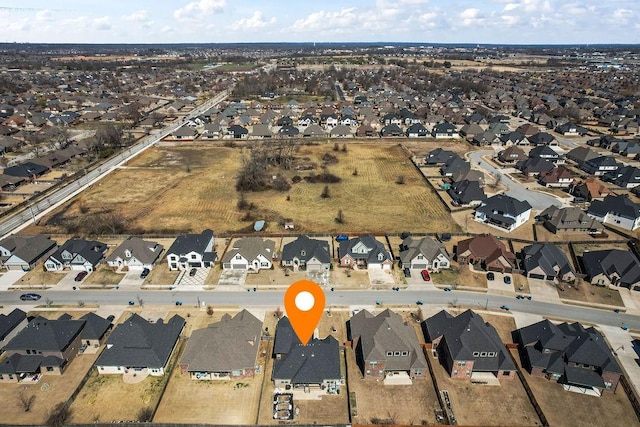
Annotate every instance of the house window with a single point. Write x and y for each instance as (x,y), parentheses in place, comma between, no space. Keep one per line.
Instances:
(49,369)
(368,372)
(420,257)
(373,364)
(396,353)
(476,354)
(264,264)
(193,256)
(483,354)
(493,354)
(302,253)
(608,384)
(462,363)
(389,353)
(238,256)
(405,353)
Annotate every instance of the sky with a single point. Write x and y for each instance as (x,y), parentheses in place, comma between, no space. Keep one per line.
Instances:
(224,21)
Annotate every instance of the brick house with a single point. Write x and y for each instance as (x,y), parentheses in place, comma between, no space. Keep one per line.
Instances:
(466,344)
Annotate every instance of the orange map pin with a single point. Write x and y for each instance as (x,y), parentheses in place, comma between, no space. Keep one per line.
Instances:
(304,303)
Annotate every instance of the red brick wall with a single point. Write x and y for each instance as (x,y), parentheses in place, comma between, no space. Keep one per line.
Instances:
(506,375)
(461,371)
(611,377)
(376,371)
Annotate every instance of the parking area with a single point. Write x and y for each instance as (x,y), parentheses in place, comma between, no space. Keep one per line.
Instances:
(68,282)
(192,277)
(230,277)
(381,278)
(502,283)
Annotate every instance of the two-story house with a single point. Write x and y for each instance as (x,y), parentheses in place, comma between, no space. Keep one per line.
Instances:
(504,212)
(192,251)
(364,252)
(616,210)
(386,346)
(307,254)
(425,253)
(466,344)
(76,254)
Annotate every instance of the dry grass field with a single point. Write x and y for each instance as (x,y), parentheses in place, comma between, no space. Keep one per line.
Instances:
(181,189)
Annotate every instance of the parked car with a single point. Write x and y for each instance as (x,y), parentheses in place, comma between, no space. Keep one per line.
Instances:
(145,273)
(444,237)
(30,297)
(425,275)
(407,272)
(193,272)
(342,237)
(505,307)
(507,280)
(490,276)
(447,289)
(81,275)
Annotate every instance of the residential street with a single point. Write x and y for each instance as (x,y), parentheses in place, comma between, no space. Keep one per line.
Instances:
(538,200)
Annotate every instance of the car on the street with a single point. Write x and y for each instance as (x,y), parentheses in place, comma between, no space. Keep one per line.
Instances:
(145,273)
(490,276)
(507,280)
(407,272)
(447,289)
(193,272)
(81,275)
(505,307)
(425,275)
(419,302)
(30,297)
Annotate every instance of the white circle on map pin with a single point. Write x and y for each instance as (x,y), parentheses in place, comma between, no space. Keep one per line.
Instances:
(305,301)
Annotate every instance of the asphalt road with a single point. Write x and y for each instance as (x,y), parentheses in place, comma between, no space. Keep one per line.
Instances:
(538,200)
(273,299)
(31,212)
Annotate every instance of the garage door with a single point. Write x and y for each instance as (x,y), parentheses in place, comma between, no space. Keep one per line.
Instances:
(419,266)
(537,276)
(239,266)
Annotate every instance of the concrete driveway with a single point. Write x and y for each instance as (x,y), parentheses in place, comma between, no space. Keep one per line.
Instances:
(195,280)
(381,278)
(323,278)
(9,278)
(232,278)
(543,290)
(539,201)
(68,281)
(132,278)
(497,285)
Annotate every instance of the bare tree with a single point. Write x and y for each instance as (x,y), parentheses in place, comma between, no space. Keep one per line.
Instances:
(325,192)
(210,310)
(278,313)
(140,300)
(26,400)
(145,415)
(340,218)
(59,415)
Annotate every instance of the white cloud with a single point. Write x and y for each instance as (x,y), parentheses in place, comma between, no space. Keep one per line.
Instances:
(537,6)
(335,21)
(102,23)
(471,16)
(44,16)
(255,21)
(197,10)
(622,15)
(510,6)
(510,20)
(137,16)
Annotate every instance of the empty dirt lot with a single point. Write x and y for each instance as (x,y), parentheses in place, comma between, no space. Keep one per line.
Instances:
(179,189)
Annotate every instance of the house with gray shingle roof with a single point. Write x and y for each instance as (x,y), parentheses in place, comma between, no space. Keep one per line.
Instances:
(619,211)
(23,252)
(192,251)
(250,253)
(386,345)
(579,358)
(503,211)
(315,365)
(76,254)
(612,267)
(43,347)
(547,262)
(570,219)
(224,350)
(139,345)
(425,253)
(364,252)
(135,254)
(94,332)
(10,325)
(307,254)
(466,344)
